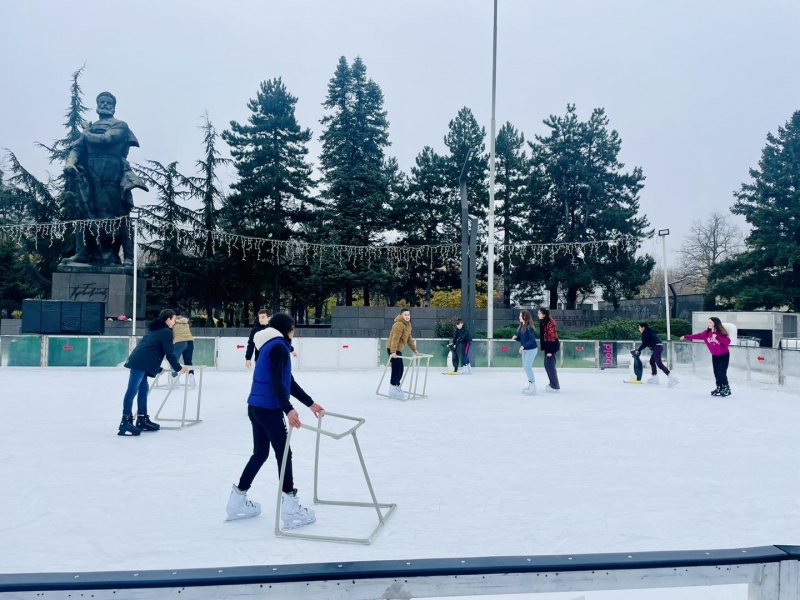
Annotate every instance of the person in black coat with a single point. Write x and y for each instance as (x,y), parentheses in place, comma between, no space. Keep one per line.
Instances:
(263,321)
(651,340)
(462,338)
(144,362)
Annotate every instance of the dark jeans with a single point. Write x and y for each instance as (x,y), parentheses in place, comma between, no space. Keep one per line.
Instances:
(185,350)
(464,355)
(655,360)
(268,428)
(397,368)
(137,384)
(550,369)
(720,364)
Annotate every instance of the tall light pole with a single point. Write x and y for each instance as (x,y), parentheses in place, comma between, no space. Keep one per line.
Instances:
(490,282)
(135,266)
(663,233)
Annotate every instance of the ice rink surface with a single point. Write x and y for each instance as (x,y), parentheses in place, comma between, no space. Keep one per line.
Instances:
(476,469)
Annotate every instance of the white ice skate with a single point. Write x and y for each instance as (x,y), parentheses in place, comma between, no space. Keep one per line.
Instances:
(192,382)
(173,380)
(653,380)
(551,390)
(530,390)
(239,507)
(294,515)
(467,370)
(396,392)
(673,380)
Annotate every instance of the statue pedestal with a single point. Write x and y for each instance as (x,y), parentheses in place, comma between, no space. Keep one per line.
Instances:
(112,285)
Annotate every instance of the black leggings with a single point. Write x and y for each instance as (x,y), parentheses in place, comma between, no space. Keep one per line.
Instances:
(397,368)
(720,364)
(655,360)
(268,428)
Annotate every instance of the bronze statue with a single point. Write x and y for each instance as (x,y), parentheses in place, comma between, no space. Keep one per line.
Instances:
(103,181)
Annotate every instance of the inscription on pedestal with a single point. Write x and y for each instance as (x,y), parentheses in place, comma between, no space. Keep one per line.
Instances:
(115,289)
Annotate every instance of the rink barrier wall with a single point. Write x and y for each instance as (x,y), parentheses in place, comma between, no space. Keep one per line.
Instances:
(779,366)
(770,572)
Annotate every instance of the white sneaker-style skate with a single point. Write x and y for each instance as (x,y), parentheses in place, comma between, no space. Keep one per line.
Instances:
(551,390)
(654,380)
(396,392)
(192,382)
(294,515)
(467,370)
(673,380)
(530,390)
(239,507)
(174,378)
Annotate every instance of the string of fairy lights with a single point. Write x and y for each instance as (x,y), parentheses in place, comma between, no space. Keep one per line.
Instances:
(196,241)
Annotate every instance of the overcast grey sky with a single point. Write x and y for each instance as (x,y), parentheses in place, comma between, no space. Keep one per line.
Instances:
(692,86)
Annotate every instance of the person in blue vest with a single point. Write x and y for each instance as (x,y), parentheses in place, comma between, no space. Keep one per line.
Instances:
(267,403)
(144,362)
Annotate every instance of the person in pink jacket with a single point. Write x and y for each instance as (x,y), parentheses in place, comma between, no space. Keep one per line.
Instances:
(717,341)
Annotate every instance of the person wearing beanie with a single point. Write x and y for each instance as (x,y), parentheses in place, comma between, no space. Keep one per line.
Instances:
(144,362)
(268,402)
(183,340)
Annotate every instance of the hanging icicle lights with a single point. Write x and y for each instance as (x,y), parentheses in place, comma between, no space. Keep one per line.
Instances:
(255,248)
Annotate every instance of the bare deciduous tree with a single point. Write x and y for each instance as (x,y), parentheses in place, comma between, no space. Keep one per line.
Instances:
(708,243)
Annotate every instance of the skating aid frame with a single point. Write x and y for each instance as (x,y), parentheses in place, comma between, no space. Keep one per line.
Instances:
(382,517)
(413,385)
(184,422)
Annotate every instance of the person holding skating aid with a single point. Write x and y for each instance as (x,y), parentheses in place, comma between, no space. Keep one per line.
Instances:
(464,339)
(526,336)
(651,340)
(272,386)
(717,341)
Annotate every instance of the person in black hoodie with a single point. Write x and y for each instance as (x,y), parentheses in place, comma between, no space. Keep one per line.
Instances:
(263,321)
(462,338)
(651,340)
(144,362)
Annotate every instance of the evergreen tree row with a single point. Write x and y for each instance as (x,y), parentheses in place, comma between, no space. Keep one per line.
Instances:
(565,186)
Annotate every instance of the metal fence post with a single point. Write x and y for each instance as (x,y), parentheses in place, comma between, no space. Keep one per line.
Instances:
(747,356)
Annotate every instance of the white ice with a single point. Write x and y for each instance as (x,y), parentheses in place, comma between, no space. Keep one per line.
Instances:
(476,469)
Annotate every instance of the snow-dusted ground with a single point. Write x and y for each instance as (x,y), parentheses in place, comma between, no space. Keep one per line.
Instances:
(476,469)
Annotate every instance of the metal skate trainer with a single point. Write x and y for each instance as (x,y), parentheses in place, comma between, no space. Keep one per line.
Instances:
(412,393)
(184,422)
(382,516)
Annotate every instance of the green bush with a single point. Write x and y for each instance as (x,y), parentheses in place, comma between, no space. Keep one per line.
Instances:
(678,327)
(444,329)
(506,332)
(612,329)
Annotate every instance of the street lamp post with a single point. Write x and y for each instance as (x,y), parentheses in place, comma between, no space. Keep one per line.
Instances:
(490,282)
(663,233)
(135,267)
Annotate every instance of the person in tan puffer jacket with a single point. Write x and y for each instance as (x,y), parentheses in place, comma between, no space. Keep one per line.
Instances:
(399,337)
(183,340)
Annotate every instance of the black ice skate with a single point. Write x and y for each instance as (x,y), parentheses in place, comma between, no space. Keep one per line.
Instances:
(144,423)
(126,426)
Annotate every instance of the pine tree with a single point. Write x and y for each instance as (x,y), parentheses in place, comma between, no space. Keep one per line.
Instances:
(586,196)
(424,216)
(166,266)
(272,197)
(767,274)
(51,200)
(208,273)
(512,171)
(354,168)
